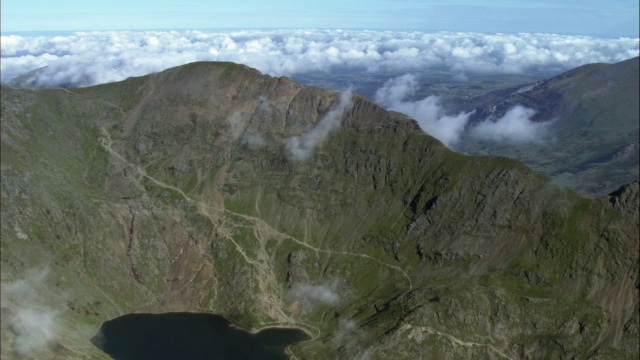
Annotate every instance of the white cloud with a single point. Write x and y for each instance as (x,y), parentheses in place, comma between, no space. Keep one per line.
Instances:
(34,325)
(428,112)
(515,127)
(396,90)
(236,125)
(325,294)
(25,287)
(353,337)
(35,329)
(346,327)
(253,139)
(301,147)
(89,58)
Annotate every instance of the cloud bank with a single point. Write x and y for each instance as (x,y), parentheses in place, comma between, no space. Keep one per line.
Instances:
(515,127)
(89,58)
(301,147)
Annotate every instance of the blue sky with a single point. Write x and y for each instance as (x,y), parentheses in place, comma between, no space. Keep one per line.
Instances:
(603,18)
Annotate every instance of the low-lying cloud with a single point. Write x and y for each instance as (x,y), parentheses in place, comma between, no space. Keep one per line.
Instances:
(236,125)
(301,147)
(351,336)
(515,127)
(325,294)
(428,112)
(35,329)
(34,325)
(89,58)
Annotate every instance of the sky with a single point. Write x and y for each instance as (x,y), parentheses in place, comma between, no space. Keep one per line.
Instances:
(82,43)
(601,18)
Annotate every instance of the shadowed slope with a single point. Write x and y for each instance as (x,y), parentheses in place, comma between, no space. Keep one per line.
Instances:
(593,142)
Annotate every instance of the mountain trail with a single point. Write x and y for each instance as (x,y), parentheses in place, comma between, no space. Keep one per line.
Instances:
(262,232)
(259,222)
(453,339)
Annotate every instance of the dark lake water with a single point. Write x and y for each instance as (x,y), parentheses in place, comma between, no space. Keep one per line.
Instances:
(190,336)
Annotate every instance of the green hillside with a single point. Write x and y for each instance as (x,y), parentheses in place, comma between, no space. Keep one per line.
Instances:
(180,191)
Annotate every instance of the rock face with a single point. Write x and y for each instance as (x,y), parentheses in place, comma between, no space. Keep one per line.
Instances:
(185,191)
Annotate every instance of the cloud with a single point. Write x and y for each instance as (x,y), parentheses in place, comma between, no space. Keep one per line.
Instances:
(428,112)
(515,127)
(346,327)
(25,287)
(351,336)
(34,326)
(35,330)
(89,58)
(301,147)
(325,294)
(253,139)
(397,89)
(461,77)
(236,125)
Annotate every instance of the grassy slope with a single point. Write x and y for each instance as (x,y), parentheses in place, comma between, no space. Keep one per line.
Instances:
(494,254)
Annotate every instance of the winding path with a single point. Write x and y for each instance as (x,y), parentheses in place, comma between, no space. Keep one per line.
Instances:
(455,340)
(262,262)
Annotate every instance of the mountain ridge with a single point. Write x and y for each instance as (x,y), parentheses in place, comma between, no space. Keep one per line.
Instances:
(592,139)
(180,186)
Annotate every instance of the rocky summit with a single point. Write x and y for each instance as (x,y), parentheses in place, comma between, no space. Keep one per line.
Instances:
(213,188)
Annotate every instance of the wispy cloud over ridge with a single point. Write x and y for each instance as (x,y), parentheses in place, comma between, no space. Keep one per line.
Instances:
(428,112)
(301,147)
(89,58)
(515,127)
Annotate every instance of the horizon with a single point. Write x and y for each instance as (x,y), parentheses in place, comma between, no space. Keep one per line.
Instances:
(85,44)
(601,18)
(31,33)
(90,58)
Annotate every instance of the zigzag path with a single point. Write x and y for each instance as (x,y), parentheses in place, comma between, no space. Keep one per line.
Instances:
(262,262)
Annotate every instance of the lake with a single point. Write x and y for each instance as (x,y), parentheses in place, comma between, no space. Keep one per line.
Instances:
(190,336)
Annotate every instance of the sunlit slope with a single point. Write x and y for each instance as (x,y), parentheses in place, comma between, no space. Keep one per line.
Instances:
(179,191)
(593,143)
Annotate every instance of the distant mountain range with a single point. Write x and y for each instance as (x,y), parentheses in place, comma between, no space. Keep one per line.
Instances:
(593,142)
(211,187)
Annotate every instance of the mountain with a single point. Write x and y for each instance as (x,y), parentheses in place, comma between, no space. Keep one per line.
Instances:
(211,187)
(594,110)
(29,80)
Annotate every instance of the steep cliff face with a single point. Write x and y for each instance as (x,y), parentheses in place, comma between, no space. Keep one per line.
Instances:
(211,187)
